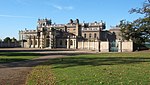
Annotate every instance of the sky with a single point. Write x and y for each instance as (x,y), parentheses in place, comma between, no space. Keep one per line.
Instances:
(17,15)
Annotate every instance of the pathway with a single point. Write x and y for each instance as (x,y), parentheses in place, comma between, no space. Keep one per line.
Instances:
(15,73)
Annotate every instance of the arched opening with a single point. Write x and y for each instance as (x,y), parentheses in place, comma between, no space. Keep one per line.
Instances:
(60,43)
(35,42)
(85,35)
(95,35)
(66,42)
(90,35)
(47,41)
(31,42)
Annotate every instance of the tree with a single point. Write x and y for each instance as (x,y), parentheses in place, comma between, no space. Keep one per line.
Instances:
(7,39)
(143,24)
(144,10)
(13,40)
(1,40)
(139,29)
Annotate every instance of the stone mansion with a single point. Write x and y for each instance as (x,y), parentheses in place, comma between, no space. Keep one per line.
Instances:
(72,35)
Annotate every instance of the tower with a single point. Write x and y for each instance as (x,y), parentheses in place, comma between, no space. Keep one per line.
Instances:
(44,22)
(42,29)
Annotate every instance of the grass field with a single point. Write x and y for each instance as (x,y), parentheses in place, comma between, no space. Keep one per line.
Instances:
(16,56)
(94,69)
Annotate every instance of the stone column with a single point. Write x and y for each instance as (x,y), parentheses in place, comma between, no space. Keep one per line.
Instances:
(120,46)
(50,40)
(41,40)
(94,45)
(68,43)
(88,44)
(82,44)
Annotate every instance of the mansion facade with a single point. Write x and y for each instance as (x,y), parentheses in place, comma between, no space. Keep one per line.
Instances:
(73,35)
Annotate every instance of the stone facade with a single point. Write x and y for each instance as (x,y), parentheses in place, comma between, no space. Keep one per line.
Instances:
(73,35)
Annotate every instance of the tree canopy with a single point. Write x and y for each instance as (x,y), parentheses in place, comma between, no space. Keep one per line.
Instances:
(8,39)
(139,29)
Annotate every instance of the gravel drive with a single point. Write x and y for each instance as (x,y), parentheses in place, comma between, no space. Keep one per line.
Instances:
(15,73)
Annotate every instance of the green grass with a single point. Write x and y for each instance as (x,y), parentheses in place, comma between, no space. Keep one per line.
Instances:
(6,57)
(94,69)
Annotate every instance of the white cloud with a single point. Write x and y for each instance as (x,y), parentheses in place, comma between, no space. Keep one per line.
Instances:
(58,7)
(63,7)
(12,16)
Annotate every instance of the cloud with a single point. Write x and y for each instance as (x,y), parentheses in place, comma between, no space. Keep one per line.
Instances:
(58,7)
(12,16)
(63,7)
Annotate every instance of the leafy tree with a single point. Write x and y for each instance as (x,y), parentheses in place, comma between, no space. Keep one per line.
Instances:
(139,29)
(144,10)
(7,39)
(1,40)
(13,40)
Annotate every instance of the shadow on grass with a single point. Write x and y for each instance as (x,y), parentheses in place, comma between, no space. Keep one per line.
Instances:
(37,54)
(20,54)
(81,61)
(19,59)
(70,61)
(34,50)
(7,57)
(5,60)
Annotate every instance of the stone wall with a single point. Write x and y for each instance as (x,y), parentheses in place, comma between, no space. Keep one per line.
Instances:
(88,45)
(127,46)
(104,46)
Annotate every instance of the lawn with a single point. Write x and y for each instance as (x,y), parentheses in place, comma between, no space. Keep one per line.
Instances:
(6,57)
(94,69)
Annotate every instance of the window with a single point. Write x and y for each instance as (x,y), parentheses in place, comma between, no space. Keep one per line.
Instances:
(85,35)
(65,42)
(95,35)
(71,42)
(35,42)
(60,42)
(31,42)
(90,35)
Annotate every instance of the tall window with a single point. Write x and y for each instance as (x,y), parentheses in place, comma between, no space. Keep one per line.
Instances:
(85,35)
(95,35)
(71,42)
(65,42)
(31,42)
(35,42)
(90,35)
(60,42)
